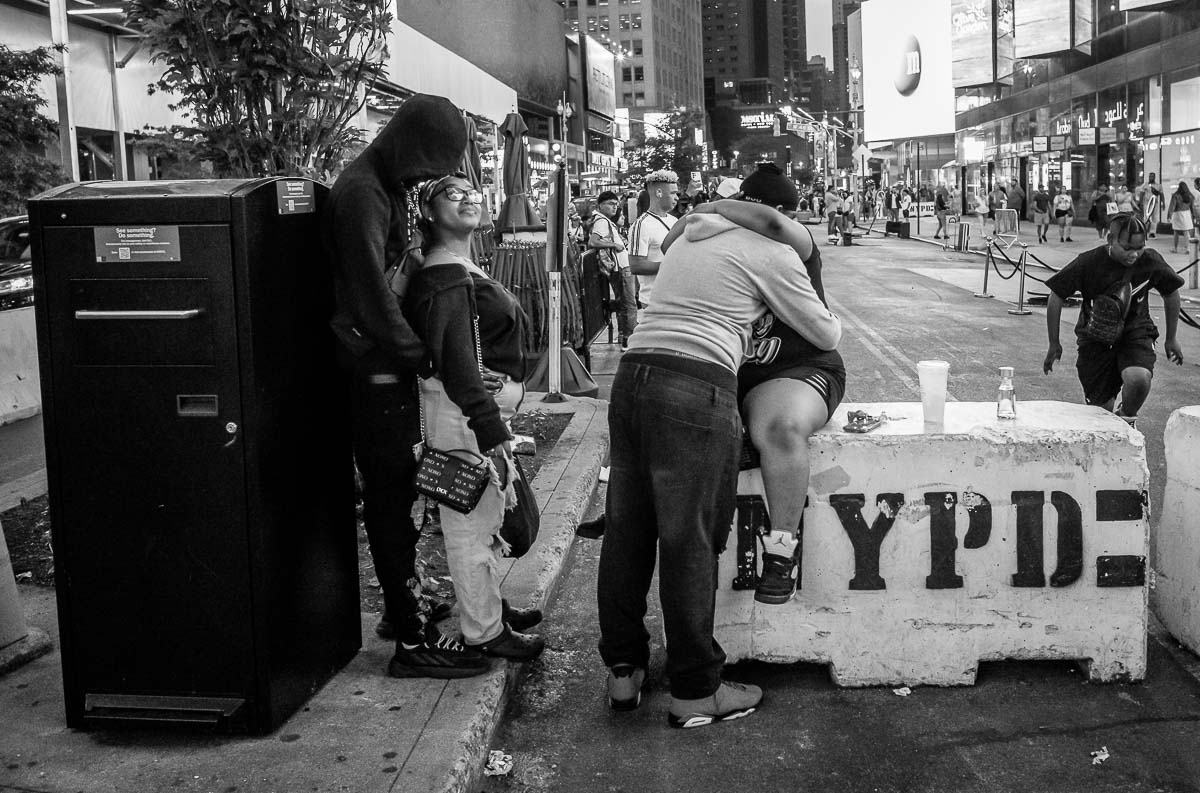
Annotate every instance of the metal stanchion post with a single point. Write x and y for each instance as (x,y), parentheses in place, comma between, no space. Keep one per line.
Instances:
(987,266)
(1020,310)
(1194,281)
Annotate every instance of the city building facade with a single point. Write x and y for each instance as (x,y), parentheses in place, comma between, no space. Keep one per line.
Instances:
(1116,101)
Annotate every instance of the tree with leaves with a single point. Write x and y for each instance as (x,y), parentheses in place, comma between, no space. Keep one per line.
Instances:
(671,144)
(24,131)
(270,86)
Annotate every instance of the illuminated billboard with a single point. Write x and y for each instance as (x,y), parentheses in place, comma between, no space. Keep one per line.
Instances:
(1081,31)
(973,27)
(1005,56)
(1040,28)
(601,82)
(907,89)
(1132,5)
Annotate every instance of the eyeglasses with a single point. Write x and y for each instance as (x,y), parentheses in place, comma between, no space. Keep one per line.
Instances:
(456,193)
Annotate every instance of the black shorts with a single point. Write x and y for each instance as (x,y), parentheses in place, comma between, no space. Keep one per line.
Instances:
(829,383)
(1100,367)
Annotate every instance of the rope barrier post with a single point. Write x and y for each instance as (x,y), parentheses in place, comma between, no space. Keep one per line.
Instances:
(1195,277)
(557,252)
(987,265)
(1020,310)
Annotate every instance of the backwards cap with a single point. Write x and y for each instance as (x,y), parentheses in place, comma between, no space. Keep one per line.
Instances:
(769,186)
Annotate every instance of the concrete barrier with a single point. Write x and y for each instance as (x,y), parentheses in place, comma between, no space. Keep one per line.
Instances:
(20,384)
(925,554)
(1177,551)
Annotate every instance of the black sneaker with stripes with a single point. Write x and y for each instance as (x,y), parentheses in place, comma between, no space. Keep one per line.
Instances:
(437,656)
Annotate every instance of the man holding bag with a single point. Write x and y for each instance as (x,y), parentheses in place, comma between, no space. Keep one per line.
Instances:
(1122,271)
(614,260)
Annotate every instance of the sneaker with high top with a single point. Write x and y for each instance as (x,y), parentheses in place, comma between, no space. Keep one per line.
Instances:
(625,685)
(730,701)
(436,656)
(780,568)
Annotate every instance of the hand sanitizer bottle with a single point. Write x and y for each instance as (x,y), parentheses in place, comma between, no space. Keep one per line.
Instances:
(1006,395)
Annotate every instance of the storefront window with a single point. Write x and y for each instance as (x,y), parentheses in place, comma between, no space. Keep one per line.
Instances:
(1180,159)
(1184,106)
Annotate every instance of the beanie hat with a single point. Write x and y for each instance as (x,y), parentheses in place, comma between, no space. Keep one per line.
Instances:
(769,186)
(607,195)
(426,138)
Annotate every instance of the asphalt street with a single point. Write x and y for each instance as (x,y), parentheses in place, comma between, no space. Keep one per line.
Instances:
(1024,726)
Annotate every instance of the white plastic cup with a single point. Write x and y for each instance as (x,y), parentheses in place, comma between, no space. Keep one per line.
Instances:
(933,376)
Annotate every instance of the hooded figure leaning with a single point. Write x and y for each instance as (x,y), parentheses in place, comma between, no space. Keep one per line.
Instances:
(366,227)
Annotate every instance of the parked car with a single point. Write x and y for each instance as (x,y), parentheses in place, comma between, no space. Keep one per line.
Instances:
(16,265)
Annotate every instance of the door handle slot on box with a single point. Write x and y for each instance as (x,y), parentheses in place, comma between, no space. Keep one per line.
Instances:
(196,404)
(187,313)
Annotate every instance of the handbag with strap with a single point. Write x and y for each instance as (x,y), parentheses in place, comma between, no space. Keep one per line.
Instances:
(444,476)
(1106,320)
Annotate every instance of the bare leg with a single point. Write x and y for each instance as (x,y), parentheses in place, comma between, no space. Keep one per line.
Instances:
(1134,390)
(781,415)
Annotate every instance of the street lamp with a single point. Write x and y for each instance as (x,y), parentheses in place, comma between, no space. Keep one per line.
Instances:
(855,127)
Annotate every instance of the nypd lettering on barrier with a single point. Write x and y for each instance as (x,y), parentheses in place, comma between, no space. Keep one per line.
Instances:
(866,540)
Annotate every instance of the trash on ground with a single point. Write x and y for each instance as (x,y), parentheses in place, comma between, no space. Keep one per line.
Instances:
(26,576)
(903,691)
(604,473)
(1100,755)
(498,764)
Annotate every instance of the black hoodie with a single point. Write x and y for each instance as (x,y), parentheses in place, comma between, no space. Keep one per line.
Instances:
(365,228)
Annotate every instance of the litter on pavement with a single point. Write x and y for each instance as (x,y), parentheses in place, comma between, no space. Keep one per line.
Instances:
(498,764)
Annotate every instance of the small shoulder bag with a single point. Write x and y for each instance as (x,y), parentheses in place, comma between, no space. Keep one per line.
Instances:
(1106,320)
(446,477)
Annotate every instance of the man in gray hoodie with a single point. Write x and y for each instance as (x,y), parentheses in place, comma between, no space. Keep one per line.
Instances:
(675,437)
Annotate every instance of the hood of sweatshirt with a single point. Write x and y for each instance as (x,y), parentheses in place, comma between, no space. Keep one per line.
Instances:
(705,225)
(427,137)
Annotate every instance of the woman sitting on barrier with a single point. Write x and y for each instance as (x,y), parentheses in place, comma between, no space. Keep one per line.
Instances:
(454,306)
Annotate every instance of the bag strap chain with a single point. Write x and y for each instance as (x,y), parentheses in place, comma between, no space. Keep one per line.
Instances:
(478,361)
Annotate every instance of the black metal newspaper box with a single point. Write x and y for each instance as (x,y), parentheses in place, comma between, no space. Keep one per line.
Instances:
(197,450)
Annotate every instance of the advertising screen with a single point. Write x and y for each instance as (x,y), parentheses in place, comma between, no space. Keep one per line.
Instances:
(974,31)
(1042,28)
(1082,29)
(907,91)
(601,79)
(1132,5)
(1004,42)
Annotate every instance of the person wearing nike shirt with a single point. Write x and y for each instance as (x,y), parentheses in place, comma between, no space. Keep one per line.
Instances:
(650,229)
(1125,368)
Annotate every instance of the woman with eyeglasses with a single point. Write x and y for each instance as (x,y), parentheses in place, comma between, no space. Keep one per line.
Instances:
(453,306)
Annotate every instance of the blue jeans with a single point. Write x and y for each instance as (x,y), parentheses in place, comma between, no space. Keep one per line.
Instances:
(675,438)
(385,425)
(624,286)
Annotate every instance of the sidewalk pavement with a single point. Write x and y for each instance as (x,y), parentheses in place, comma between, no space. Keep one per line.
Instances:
(363,731)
